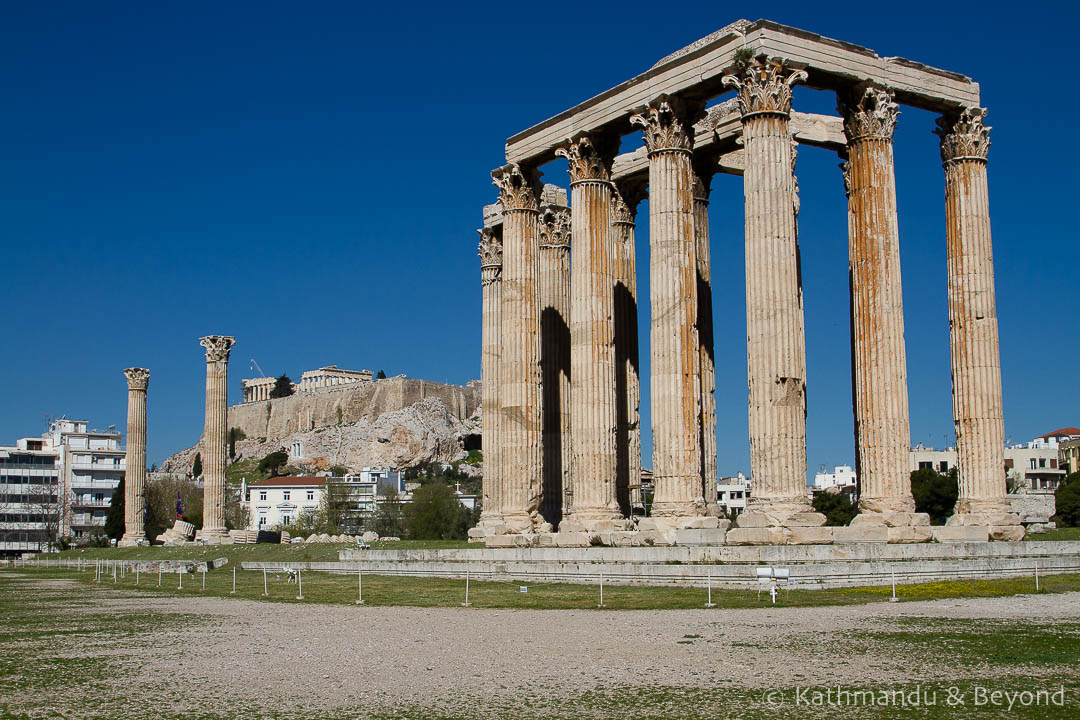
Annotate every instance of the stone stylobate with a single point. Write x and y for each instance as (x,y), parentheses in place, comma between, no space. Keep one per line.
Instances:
(592,340)
(973,329)
(879,367)
(138,381)
(218,348)
(519,368)
(776,346)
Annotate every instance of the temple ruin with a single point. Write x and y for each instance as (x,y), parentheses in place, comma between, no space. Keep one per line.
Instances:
(560,351)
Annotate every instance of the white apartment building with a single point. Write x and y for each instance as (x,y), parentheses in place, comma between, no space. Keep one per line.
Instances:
(91,464)
(841,476)
(281,500)
(29,497)
(1031,467)
(732,493)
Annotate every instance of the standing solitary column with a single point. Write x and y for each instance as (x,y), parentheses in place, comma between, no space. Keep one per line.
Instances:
(555,357)
(879,367)
(676,362)
(592,338)
(217,383)
(138,380)
(490,250)
(776,346)
(702,180)
(519,369)
(973,329)
(624,203)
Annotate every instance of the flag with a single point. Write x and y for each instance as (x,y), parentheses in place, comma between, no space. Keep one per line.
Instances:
(179,507)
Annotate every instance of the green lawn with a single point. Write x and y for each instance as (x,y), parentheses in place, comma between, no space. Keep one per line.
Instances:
(1072,533)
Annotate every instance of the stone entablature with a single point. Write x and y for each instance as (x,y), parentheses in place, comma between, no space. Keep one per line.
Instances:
(753,134)
(331,376)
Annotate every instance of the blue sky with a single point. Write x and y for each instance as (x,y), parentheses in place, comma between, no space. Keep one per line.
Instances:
(309,177)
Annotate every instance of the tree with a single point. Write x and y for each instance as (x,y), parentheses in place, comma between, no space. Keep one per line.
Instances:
(114,518)
(1067,499)
(196,466)
(235,435)
(935,493)
(161,493)
(282,387)
(380,375)
(272,462)
(388,520)
(435,513)
(836,507)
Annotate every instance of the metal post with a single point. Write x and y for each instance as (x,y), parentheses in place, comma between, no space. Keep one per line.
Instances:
(300,581)
(601,590)
(114,574)
(710,603)
(136,574)
(1036,576)
(359,585)
(159,574)
(204,579)
(180,572)
(466,603)
(894,598)
(264,583)
(233,580)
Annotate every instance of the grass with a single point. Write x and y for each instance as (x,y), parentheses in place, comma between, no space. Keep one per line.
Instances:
(333,589)
(1071,533)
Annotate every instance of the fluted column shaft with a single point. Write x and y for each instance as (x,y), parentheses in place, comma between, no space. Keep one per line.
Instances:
(676,362)
(490,357)
(627,379)
(879,364)
(519,368)
(973,328)
(218,348)
(776,345)
(138,380)
(592,339)
(706,343)
(555,358)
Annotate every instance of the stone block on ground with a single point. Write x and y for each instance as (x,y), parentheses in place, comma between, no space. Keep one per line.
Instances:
(751,519)
(961,533)
(808,536)
(911,534)
(1007,533)
(571,526)
(572,539)
(626,538)
(546,540)
(653,538)
(754,536)
(861,534)
(698,523)
(699,536)
(805,519)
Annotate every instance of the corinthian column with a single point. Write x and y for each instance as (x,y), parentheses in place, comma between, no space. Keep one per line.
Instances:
(555,357)
(138,380)
(624,202)
(973,329)
(519,368)
(592,340)
(676,361)
(879,366)
(490,250)
(217,383)
(776,346)
(702,180)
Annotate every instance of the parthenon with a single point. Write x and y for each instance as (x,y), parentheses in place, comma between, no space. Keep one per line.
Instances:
(560,350)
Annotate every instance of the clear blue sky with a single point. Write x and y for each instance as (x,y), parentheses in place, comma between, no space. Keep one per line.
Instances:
(308,177)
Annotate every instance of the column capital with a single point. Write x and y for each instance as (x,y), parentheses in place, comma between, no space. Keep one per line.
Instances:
(490,251)
(668,123)
(964,136)
(869,111)
(519,187)
(764,85)
(588,156)
(137,378)
(217,347)
(626,195)
(554,227)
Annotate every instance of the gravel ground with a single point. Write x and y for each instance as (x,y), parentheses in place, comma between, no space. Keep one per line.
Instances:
(319,658)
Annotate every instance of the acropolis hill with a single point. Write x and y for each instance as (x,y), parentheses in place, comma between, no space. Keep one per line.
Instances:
(398,421)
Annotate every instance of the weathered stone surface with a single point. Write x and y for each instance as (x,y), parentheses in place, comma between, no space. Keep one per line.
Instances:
(703,536)
(861,534)
(755,536)
(572,539)
(891,519)
(218,348)
(805,519)
(911,534)
(961,533)
(1010,533)
(699,523)
(808,535)
(138,381)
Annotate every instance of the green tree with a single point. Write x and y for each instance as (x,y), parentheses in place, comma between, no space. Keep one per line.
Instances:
(387,520)
(836,507)
(161,503)
(1067,499)
(935,493)
(272,462)
(380,375)
(282,387)
(435,513)
(114,518)
(235,435)
(196,466)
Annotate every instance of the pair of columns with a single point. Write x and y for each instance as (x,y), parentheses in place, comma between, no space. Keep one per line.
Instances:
(138,381)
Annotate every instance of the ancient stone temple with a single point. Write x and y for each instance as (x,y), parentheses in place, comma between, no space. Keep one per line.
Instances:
(138,380)
(560,359)
(218,348)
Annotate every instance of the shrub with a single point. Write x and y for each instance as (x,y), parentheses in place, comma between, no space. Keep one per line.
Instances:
(836,507)
(934,493)
(1067,499)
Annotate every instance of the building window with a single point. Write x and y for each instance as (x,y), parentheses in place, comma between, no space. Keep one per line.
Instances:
(286,519)
(1053,464)
(1042,462)
(262,521)
(285,495)
(1033,464)
(310,494)
(943,466)
(262,494)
